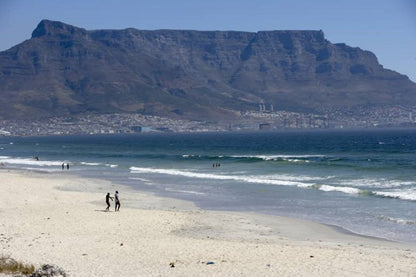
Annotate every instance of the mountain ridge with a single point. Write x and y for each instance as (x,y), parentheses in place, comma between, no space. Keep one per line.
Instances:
(67,70)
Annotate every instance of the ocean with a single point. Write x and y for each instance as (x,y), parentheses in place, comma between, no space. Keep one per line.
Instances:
(361,181)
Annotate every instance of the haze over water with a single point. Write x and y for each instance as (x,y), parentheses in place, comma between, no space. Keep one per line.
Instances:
(362,181)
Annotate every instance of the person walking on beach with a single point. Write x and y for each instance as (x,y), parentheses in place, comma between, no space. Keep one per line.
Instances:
(117,201)
(107,200)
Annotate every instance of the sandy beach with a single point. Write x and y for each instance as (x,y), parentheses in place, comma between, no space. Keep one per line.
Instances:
(60,219)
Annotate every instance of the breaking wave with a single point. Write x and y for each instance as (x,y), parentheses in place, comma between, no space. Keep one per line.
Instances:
(28,161)
(257,158)
(249,179)
(281,180)
(405,194)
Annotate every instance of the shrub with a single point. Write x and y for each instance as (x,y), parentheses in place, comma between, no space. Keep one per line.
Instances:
(10,265)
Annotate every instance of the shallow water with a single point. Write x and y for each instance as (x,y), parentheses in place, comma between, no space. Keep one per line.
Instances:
(362,181)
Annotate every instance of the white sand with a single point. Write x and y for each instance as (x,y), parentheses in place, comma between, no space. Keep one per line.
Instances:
(60,219)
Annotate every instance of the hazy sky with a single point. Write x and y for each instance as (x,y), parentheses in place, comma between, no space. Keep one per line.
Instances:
(385,27)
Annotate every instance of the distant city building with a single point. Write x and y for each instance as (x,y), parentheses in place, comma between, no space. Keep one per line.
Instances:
(264,126)
(262,107)
(137,129)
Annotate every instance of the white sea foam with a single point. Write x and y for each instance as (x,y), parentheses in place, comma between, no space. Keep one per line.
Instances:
(29,161)
(301,178)
(305,185)
(401,221)
(99,164)
(375,183)
(267,180)
(293,158)
(139,179)
(347,190)
(200,156)
(281,180)
(405,194)
(92,164)
(185,191)
(288,158)
(297,161)
(190,156)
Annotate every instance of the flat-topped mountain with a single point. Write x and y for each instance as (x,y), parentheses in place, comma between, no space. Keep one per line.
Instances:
(65,70)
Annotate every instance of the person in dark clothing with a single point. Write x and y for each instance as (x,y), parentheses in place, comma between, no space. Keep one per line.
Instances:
(107,200)
(117,201)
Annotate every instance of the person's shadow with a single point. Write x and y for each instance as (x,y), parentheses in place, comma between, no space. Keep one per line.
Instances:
(105,211)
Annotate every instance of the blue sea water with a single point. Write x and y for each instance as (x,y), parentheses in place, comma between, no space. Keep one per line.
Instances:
(362,181)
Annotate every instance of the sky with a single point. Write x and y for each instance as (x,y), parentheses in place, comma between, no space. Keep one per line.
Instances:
(385,27)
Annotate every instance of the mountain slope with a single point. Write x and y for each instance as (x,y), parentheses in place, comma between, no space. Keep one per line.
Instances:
(65,70)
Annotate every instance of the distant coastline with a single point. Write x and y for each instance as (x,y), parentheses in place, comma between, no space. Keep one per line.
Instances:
(253,121)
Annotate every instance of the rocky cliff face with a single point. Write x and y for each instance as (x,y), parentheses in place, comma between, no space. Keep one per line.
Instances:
(65,70)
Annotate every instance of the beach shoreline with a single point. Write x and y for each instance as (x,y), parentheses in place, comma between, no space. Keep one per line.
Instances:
(61,219)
